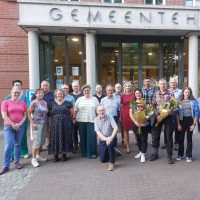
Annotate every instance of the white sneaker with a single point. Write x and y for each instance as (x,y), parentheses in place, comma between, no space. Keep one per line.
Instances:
(40,159)
(142,158)
(34,162)
(26,156)
(138,155)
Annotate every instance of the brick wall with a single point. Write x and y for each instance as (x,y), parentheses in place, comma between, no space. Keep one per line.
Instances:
(13,48)
(175,2)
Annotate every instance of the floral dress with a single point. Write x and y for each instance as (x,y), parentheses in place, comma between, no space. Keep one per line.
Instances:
(61,128)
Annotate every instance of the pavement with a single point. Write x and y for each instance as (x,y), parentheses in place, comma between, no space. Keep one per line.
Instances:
(85,179)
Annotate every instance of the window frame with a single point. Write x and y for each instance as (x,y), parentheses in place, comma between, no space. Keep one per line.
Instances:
(112,1)
(154,3)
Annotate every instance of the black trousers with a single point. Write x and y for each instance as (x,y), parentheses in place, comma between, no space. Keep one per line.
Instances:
(75,136)
(141,138)
(185,124)
(169,128)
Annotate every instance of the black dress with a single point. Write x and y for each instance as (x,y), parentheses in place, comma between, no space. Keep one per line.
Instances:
(61,128)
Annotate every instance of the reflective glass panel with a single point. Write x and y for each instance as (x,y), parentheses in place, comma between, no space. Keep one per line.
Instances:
(170,59)
(130,62)
(109,58)
(188,3)
(150,57)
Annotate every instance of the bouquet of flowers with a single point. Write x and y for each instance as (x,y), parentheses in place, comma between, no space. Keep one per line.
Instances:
(166,107)
(141,112)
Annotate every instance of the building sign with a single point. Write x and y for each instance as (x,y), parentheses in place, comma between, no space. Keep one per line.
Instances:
(42,13)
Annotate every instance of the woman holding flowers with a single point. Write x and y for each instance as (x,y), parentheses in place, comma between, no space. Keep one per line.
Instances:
(126,98)
(187,119)
(141,129)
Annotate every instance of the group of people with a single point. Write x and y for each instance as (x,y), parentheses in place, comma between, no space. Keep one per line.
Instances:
(60,119)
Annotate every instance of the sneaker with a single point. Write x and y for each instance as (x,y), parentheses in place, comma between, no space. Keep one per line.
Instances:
(179,158)
(34,162)
(18,166)
(26,156)
(142,158)
(40,159)
(4,170)
(188,159)
(138,155)
(110,167)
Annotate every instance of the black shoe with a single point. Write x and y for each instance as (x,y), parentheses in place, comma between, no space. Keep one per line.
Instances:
(164,146)
(170,161)
(64,157)
(154,157)
(56,158)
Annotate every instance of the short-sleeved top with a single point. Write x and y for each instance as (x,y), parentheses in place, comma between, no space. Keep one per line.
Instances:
(70,99)
(105,125)
(40,110)
(15,110)
(76,96)
(48,97)
(112,105)
(86,109)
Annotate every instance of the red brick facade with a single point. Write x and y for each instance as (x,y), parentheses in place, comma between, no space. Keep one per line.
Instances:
(13,48)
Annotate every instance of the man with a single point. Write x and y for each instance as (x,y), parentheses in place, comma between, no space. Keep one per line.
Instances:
(147,91)
(48,95)
(76,90)
(106,129)
(76,94)
(68,97)
(99,94)
(112,106)
(173,83)
(162,95)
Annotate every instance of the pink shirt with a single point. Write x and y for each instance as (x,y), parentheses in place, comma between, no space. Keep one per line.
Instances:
(15,110)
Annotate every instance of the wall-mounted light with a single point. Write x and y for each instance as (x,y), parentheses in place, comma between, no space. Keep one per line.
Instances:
(56,60)
(112,61)
(80,52)
(150,53)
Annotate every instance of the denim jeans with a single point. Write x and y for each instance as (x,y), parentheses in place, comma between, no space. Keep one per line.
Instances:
(12,138)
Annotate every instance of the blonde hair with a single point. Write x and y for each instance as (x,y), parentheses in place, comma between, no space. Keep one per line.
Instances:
(131,87)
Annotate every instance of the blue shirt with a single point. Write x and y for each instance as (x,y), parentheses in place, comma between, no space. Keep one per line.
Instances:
(70,99)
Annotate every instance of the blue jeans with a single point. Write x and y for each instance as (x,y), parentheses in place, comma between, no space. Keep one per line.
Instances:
(12,138)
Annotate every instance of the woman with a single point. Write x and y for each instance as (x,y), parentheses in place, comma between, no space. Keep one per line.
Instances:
(24,146)
(141,138)
(14,114)
(61,127)
(37,114)
(126,121)
(186,121)
(84,114)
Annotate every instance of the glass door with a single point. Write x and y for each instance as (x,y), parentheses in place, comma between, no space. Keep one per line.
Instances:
(150,60)
(130,63)
(109,63)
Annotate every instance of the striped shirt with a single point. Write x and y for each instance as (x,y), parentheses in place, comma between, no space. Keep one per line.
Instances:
(86,109)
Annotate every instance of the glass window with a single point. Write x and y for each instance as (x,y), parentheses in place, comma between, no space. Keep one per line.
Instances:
(130,62)
(112,1)
(170,60)
(109,60)
(150,60)
(192,2)
(155,2)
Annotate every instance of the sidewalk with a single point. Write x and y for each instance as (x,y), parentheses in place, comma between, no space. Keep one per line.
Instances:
(80,178)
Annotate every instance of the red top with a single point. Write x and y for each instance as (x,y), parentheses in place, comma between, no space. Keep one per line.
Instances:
(15,110)
(125,106)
